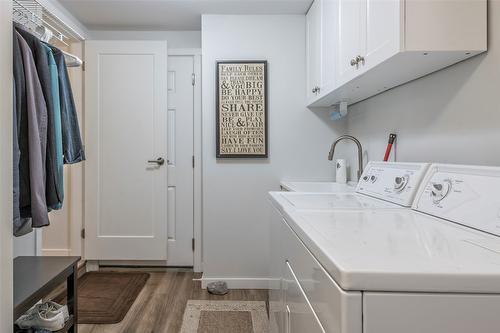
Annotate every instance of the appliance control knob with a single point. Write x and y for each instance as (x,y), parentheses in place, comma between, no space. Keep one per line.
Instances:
(373,178)
(439,191)
(366,178)
(400,183)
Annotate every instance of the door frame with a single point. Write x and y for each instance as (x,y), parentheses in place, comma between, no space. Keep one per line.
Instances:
(196,53)
(197,181)
(6,169)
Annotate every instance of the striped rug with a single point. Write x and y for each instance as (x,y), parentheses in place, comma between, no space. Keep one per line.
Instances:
(225,317)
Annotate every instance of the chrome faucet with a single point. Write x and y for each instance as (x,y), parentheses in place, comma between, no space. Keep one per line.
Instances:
(360,151)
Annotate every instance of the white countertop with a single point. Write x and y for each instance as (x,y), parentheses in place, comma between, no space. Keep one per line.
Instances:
(396,249)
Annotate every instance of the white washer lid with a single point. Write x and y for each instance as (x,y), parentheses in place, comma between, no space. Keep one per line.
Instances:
(399,250)
(329,201)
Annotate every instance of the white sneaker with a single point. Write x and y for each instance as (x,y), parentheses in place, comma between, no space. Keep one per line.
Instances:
(42,320)
(52,307)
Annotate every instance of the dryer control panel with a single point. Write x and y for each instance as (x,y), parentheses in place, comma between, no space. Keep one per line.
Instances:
(391,181)
(468,195)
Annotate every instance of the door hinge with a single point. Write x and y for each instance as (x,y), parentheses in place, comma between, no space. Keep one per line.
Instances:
(193,79)
(192,244)
(193,161)
(83,233)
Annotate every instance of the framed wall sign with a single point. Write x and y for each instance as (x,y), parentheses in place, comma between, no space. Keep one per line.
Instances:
(241,110)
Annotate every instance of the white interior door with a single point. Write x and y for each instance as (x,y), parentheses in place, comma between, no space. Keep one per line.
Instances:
(180,160)
(126,126)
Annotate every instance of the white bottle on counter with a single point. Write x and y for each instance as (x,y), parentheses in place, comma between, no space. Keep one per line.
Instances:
(341,171)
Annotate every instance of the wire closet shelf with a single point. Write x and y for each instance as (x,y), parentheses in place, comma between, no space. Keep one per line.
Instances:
(37,17)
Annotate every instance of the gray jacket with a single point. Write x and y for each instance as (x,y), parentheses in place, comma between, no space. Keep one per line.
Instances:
(41,61)
(37,137)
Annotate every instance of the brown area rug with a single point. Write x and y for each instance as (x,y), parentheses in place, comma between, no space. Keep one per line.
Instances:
(106,297)
(225,317)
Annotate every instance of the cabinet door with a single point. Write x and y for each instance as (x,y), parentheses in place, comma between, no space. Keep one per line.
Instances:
(313,22)
(383,29)
(352,34)
(276,305)
(299,316)
(329,44)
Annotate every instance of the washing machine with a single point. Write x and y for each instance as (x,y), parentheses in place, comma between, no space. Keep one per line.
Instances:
(434,268)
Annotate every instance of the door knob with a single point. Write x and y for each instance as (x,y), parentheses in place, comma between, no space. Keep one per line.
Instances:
(159,161)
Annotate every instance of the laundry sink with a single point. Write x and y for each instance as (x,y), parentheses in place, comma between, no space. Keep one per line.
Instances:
(318,187)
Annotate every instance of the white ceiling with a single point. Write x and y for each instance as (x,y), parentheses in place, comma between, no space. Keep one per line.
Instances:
(170,14)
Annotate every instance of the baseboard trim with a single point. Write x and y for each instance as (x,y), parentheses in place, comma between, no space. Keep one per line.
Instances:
(56,252)
(133,263)
(238,283)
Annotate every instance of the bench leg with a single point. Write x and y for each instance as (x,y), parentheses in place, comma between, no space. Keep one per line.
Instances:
(71,284)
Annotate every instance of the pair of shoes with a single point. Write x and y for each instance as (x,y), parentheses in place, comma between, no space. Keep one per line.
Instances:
(48,315)
(49,306)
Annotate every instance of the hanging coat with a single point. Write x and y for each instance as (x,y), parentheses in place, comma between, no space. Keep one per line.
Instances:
(41,62)
(37,138)
(20,146)
(54,79)
(72,141)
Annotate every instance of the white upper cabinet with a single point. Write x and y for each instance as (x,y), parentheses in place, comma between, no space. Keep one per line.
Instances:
(329,44)
(383,33)
(352,28)
(322,47)
(313,22)
(369,34)
(369,46)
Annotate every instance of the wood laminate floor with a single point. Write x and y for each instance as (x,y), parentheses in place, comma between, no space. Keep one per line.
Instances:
(160,305)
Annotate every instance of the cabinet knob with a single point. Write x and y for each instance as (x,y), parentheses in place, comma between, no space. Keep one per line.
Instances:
(315,90)
(360,59)
(354,62)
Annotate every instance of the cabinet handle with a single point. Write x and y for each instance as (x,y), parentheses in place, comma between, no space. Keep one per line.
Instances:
(360,59)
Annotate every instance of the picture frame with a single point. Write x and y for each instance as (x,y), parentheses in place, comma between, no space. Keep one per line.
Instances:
(241,109)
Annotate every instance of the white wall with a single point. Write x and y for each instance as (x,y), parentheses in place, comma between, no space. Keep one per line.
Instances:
(452,116)
(176,39)
(28,244)
(6,166)
(235,221)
